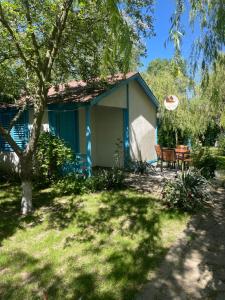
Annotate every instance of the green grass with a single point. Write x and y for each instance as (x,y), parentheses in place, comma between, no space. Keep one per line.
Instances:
(96,246)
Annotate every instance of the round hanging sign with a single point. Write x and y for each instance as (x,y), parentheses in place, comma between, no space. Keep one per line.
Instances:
(171,102)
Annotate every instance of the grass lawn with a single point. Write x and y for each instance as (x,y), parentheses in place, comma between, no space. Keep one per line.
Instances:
(96,246)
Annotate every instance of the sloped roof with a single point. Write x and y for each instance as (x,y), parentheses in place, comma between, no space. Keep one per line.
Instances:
(81,91)
(84,92)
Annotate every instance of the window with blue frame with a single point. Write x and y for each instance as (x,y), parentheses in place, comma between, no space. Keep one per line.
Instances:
(64,123)
(19,132)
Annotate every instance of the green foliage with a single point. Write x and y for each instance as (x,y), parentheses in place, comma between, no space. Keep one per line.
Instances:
(221,144)
(138,166)
(210,135)
(164,80)
(110,179)
(210,15)
(207,108)
(50,156)
(220,162)
(187,192)
(203,160)
(105,179)
(70,184)
(99,38)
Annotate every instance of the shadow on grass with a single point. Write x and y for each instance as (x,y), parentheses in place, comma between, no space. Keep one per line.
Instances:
(46,284)
(11,218)
(115,214)
(127,216)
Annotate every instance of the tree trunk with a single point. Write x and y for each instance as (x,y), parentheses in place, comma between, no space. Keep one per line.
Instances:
(176,137)
(26,180)
(26,203)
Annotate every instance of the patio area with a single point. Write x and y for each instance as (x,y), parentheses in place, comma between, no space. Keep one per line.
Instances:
(179,157)
(152,182)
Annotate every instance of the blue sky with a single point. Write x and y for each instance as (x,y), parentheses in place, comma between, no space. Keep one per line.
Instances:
(155,45)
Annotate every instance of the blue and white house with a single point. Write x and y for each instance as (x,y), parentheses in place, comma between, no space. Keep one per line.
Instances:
(91,119)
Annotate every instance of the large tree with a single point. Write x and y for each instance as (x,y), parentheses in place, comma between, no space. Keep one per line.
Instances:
(45,42)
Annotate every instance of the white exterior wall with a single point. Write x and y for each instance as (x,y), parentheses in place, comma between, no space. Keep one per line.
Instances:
(106,128)
(142,124)
(106,132)
(116,98)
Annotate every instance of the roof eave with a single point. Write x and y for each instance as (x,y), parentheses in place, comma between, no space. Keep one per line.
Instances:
(136,77)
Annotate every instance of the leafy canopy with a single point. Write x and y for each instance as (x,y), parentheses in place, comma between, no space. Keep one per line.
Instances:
(98,37)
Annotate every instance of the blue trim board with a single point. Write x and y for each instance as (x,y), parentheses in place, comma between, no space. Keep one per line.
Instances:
(136,77)
(152,161)
(126,138)
(88,139)
(156,133)
(126,144)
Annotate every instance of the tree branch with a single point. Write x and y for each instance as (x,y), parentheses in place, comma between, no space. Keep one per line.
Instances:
(36,127)
(56,37)
(33,37)
(10,31)
(17,116)
(7,137)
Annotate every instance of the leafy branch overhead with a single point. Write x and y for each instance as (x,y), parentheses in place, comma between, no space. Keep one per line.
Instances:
(56,40)
(209,16)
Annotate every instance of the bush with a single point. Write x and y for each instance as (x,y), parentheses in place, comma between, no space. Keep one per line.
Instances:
(220,165)
(187,192)
(50,156)
(138,166)
(204,161)
(110,179)
(70,184)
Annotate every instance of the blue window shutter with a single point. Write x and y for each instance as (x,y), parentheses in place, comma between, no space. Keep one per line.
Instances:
(5,121)
(20,132)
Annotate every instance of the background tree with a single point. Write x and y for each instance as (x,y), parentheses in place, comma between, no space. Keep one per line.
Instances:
(165,79)
(45,42)
(207,108)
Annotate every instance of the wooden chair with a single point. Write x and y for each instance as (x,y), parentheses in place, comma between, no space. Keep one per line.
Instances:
(169,156)
(158,152)
(184,147)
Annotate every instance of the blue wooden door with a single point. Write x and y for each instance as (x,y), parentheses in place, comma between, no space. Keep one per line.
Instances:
(63,122)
